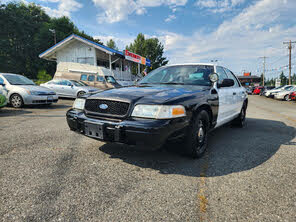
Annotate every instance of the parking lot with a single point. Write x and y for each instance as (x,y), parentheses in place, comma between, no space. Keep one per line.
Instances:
(48,173)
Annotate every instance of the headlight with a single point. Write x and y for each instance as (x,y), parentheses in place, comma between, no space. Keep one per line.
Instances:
(34,93)
(79,103)
(159,111)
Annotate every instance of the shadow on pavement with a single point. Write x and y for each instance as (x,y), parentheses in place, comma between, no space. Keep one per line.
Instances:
(230,150)
(4,112)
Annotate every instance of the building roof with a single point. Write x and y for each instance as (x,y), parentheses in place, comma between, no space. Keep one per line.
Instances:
(49,53)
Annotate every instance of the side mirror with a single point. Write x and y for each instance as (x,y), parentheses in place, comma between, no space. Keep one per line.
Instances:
(2,84)
(214,77)
(226,83)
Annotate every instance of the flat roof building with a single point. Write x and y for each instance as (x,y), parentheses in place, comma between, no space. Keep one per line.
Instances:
(76,54)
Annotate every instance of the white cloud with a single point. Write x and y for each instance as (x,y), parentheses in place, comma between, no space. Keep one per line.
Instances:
(170,18)
(117,10)
(239,42)
(218,6)
(65,7)
(121,42)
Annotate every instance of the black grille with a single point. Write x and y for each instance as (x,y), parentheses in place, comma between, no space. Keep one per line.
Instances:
(114,107)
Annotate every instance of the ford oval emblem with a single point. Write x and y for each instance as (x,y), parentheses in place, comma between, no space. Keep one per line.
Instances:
(103,106)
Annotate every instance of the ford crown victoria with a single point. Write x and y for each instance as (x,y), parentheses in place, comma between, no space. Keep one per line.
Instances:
(172,102)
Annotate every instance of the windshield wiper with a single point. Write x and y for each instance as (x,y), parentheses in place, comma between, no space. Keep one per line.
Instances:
(172,83)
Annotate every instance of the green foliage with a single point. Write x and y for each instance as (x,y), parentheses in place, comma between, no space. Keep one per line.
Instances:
(25,34)
(284,79)
(42,75)
(150,48)
(111,44)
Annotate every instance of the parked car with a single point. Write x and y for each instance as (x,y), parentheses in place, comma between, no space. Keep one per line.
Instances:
(269,93)
(94,80)
(249,91)
(172,102)
(23,91)
(258,90)
(69,88)
(292,96)
(284,94)
(3,94)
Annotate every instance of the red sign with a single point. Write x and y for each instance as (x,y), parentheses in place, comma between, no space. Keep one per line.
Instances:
(247,74)
(134,57)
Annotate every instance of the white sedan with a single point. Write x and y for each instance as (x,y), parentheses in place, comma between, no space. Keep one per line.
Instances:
(284,94)
(69,88)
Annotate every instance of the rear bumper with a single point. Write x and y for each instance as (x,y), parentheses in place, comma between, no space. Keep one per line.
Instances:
(148,133)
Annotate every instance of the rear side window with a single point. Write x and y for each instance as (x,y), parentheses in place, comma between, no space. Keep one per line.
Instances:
(91,78)
(100,79)
(83,77)
(231,76)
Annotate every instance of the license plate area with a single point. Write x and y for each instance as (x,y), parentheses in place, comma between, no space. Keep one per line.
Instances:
(94,130)
(49,98)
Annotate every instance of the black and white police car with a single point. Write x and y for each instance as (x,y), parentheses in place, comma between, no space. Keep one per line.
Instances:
(172,102)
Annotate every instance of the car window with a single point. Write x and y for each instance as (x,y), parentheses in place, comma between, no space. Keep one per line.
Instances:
(1,81)
(221,73)
(288,88)
(91,78)
(180,74)
(231,76)
(110,79)
(83,77)
(18,80)
(100,79)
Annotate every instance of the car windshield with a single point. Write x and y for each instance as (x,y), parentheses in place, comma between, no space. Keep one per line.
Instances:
(18,80)
(180,75)
(83,83)
(110,79)
(76,83)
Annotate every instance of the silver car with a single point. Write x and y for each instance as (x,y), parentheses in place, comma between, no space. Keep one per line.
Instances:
(69,88)
(23,91)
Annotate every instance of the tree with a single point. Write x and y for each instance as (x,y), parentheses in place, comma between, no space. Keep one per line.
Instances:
(150,48)
(111,44)
(25,34)
(283,79)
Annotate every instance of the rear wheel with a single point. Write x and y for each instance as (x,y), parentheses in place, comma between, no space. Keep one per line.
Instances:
(16,101)
(241,119)
(196,139)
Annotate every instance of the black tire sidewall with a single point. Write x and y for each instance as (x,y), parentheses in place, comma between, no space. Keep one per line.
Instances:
(80,93)
(192,145)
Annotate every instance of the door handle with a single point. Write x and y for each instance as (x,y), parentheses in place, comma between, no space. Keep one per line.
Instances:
(234,93)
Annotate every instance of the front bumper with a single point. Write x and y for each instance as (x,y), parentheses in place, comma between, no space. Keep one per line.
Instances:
(144,132)
(46,99)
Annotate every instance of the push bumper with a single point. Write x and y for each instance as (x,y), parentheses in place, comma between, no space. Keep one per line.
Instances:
(143,132)
(46,99)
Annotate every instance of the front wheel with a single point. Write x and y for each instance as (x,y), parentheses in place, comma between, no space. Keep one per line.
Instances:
(286,98)
(16,101)
(196,140)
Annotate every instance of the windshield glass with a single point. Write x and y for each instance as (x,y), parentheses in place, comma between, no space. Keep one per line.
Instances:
(18,80)
(110,79)
(185,74)
(83,83)
(76,83)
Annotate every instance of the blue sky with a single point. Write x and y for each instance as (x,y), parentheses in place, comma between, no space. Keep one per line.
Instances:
(236,32)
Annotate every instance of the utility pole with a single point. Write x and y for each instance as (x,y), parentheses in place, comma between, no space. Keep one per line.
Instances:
(264,62)
(290,58)
(53,31)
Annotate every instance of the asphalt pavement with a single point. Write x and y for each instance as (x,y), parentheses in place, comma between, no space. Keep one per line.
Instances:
(48,173)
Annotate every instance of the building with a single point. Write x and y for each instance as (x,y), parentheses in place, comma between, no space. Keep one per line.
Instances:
(248,80)
(78,55)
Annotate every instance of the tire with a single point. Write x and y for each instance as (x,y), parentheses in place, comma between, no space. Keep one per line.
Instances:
(196,140)
(80,93)
(286,98)
(16,101)
(241,119)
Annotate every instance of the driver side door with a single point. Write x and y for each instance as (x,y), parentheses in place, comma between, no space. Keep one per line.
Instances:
(227,106)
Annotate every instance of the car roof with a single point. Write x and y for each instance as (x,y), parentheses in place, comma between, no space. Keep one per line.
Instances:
(12,74)
(186,64)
